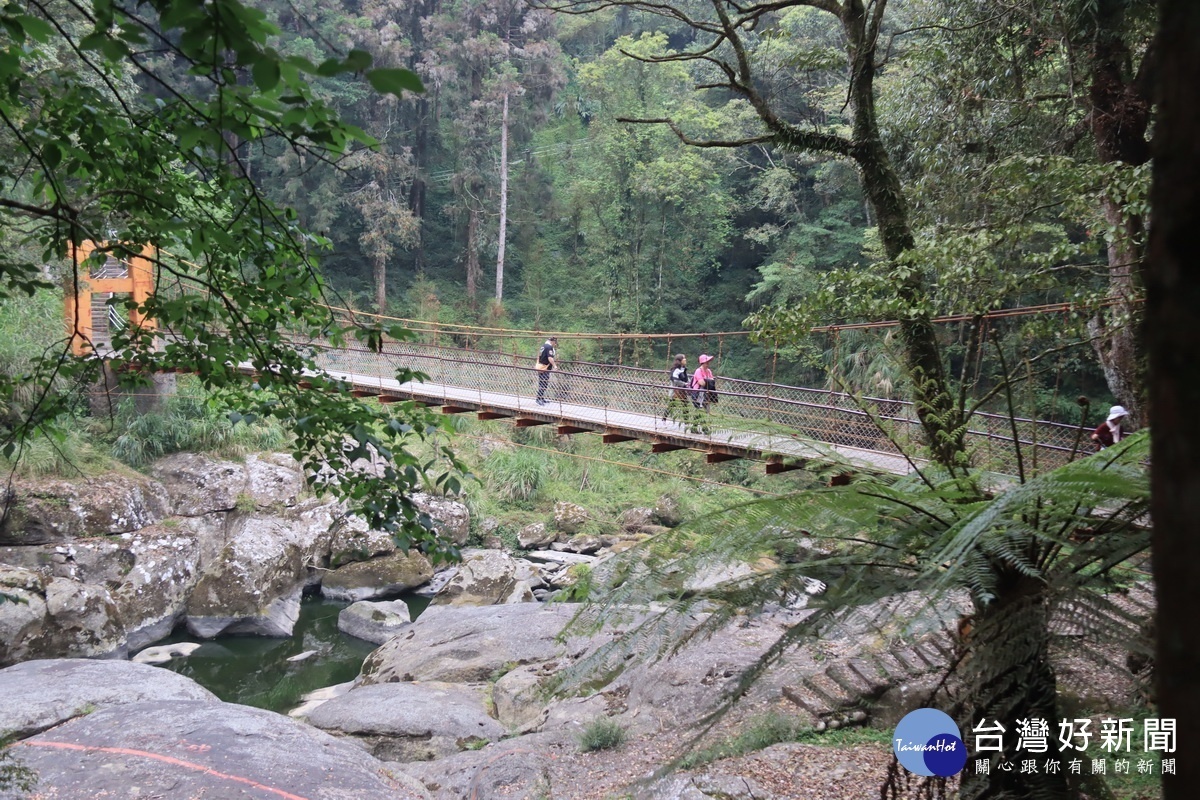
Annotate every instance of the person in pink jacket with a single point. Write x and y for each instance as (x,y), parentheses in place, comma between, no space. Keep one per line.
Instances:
(704,384)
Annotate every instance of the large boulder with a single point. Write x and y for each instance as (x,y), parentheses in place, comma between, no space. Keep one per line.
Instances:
(198,484)
(387,576)
(513,769)
(634,520)
(461,644)
(536,534)
(410,721)
(255,584)
(570,518)
(485,577)
(39,695)
(196,748)
(20,622)
(374,622)
(352,540)
(451,519)
(60,510)
(667,511)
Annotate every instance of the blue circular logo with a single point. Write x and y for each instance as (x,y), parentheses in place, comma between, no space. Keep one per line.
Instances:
(927,742)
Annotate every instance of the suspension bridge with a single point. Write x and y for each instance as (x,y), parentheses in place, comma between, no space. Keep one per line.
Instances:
(787,427)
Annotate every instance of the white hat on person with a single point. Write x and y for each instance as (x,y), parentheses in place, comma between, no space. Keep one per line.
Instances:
(1116,412)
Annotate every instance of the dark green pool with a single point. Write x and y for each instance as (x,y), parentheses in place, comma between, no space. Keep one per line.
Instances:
(255,671)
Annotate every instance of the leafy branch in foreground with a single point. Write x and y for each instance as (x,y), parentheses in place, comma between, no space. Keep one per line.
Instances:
(128,125)
(1043,552)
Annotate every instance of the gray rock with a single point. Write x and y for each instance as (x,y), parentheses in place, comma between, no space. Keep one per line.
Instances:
(583,543)
(452,519)
(182,748)
(39,695)
(667,511)
(410,721)
(485,577)
(255,581)
(633,520)
(353,541)
(469,643)
(274,479)
(517,700)
(705,787)
(514,769)
(200,485)
(570,518)
(276,619)
(534,535)
(374,621)
(387,576)
(58,510)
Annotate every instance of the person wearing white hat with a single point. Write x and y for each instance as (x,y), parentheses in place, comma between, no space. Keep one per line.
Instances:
(1112,429)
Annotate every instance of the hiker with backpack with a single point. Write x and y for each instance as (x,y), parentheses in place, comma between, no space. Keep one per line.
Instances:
(680,383)
(545,365)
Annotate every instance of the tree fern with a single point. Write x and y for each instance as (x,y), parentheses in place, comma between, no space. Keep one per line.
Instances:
(1038,555)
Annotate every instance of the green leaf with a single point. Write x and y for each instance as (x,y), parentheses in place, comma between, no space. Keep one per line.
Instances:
(37,29)
(391,80)
(266,74)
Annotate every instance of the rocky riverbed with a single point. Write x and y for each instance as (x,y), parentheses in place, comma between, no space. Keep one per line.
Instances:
(449,705)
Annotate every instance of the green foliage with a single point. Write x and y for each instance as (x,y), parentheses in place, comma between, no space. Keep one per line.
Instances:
(517,474)
(14,776)
(602,733)
(765,730)
(1056,540)
(60,450)
(190,423)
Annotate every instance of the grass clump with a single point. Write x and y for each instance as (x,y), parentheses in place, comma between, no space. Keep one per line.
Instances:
(601,734)
(763,731)
(188,423)
(518,475)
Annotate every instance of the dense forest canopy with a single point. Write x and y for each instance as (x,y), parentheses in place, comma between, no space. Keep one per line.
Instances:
(998,122)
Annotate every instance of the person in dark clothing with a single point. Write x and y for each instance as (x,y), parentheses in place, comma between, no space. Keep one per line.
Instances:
(545,365)
(680,382)
(1112,430)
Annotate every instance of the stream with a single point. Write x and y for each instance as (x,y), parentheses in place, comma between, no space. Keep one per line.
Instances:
(255,671)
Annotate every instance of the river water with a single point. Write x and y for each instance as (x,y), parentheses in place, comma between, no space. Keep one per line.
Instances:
(255,671)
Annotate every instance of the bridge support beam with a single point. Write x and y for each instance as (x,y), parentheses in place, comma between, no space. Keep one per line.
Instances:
(529,422)
(569,430)
(716,457)
(665,447)
(777,466)
(364,393)
(456,409)
(391,398)
(487,413)
(613,438)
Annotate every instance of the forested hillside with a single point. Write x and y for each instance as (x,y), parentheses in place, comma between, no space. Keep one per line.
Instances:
(510,194)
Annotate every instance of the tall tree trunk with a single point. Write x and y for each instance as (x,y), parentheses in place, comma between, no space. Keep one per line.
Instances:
(1120,118)
(381,284)
(1172,342)
(503,201)
(474,270)
(1010,678)
(940,418)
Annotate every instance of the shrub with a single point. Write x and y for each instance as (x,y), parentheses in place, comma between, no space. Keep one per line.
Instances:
(601,734)
(189,423)
(516,474)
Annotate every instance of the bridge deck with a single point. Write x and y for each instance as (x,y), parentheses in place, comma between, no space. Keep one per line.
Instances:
(719,443)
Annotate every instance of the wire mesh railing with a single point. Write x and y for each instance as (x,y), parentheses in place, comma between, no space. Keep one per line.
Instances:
(752,415)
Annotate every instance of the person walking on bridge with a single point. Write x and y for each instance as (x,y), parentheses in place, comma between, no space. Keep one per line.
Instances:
(1112,430)
(546,361)
(680,382)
